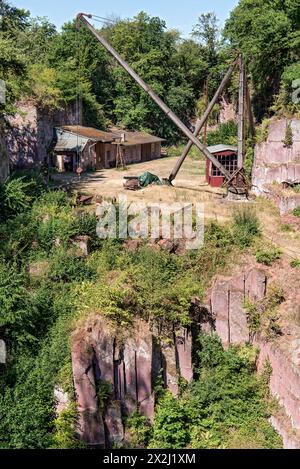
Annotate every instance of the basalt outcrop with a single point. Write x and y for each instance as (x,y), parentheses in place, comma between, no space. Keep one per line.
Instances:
(227,308)
(125,365)
(276,161)
(115,370)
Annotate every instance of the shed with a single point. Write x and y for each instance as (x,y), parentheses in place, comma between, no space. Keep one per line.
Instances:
(91,148)
(227,156)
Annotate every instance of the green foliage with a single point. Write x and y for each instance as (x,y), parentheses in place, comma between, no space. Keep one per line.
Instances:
(296,212)
(228,406)
(263,316)
(170,429)
(226,134)
(17,195)
(295,263)
(262,131)
(253,316)
(267,32)
(288,138)
(104,394)
(284,105)
(65,429)
(245,226)
(140,430)
(268,255)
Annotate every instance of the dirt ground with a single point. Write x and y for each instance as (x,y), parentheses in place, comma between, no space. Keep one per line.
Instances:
(189,187)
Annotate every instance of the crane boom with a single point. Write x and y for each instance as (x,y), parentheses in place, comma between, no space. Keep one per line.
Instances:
(169,113)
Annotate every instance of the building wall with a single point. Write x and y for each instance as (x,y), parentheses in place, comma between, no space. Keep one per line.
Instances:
(110,155)
(132,154)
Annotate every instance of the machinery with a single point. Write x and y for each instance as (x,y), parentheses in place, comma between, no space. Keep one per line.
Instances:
(235,182)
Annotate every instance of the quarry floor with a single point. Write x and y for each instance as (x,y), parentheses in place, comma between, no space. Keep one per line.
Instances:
(189,187)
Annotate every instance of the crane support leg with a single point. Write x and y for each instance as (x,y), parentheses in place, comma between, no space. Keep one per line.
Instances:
(203,120)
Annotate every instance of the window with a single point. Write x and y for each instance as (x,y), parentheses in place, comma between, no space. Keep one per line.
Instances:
(229,163)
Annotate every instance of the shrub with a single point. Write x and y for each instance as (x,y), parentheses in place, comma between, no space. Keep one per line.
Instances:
(14,197)
(288,138)
(296,212)
(245,226)
(65,267)
(286,227)
(170,430)
(262,132)
(219,236)
(226,133)
(140,430)
(65,426)
(295,263)
(268,255)
(262,316)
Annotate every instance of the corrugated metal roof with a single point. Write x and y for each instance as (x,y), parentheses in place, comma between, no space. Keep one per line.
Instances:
(91,133)
(68,135)
(219,148)
(67,141)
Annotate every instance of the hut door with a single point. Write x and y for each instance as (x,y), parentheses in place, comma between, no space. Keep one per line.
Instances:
(146,152)
(100,156)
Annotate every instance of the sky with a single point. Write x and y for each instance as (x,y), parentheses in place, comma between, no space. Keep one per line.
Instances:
(179,14)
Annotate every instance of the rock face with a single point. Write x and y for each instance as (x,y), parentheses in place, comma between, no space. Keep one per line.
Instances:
(129,364)
(275,163)
(31,133)
(227,309)
(227,304)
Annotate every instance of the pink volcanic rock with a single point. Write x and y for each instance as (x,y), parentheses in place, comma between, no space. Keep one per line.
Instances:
(91,427)
(184,353)
(255,284)
(138,353)
(220,308)
(170,367)
(285,379)
(273,161)
(113,422)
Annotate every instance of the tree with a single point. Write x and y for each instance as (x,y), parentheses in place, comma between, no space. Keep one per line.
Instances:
(268,35)
(207,32)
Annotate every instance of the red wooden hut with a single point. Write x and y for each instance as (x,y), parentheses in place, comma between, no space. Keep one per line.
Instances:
(227,155)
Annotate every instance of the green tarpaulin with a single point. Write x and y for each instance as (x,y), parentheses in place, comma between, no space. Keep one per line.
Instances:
(147,179)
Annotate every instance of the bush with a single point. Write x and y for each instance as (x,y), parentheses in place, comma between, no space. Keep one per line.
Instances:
(245,226)
(226,133)
(268,255)
(170,430)
(228,406)
(65,267)
(15,197)
(295,263)
(66,427)
(296,212)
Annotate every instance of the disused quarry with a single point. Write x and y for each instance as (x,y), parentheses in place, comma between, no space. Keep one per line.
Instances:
(141,342)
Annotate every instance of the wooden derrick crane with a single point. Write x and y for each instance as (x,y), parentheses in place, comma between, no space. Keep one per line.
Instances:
(193,138)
